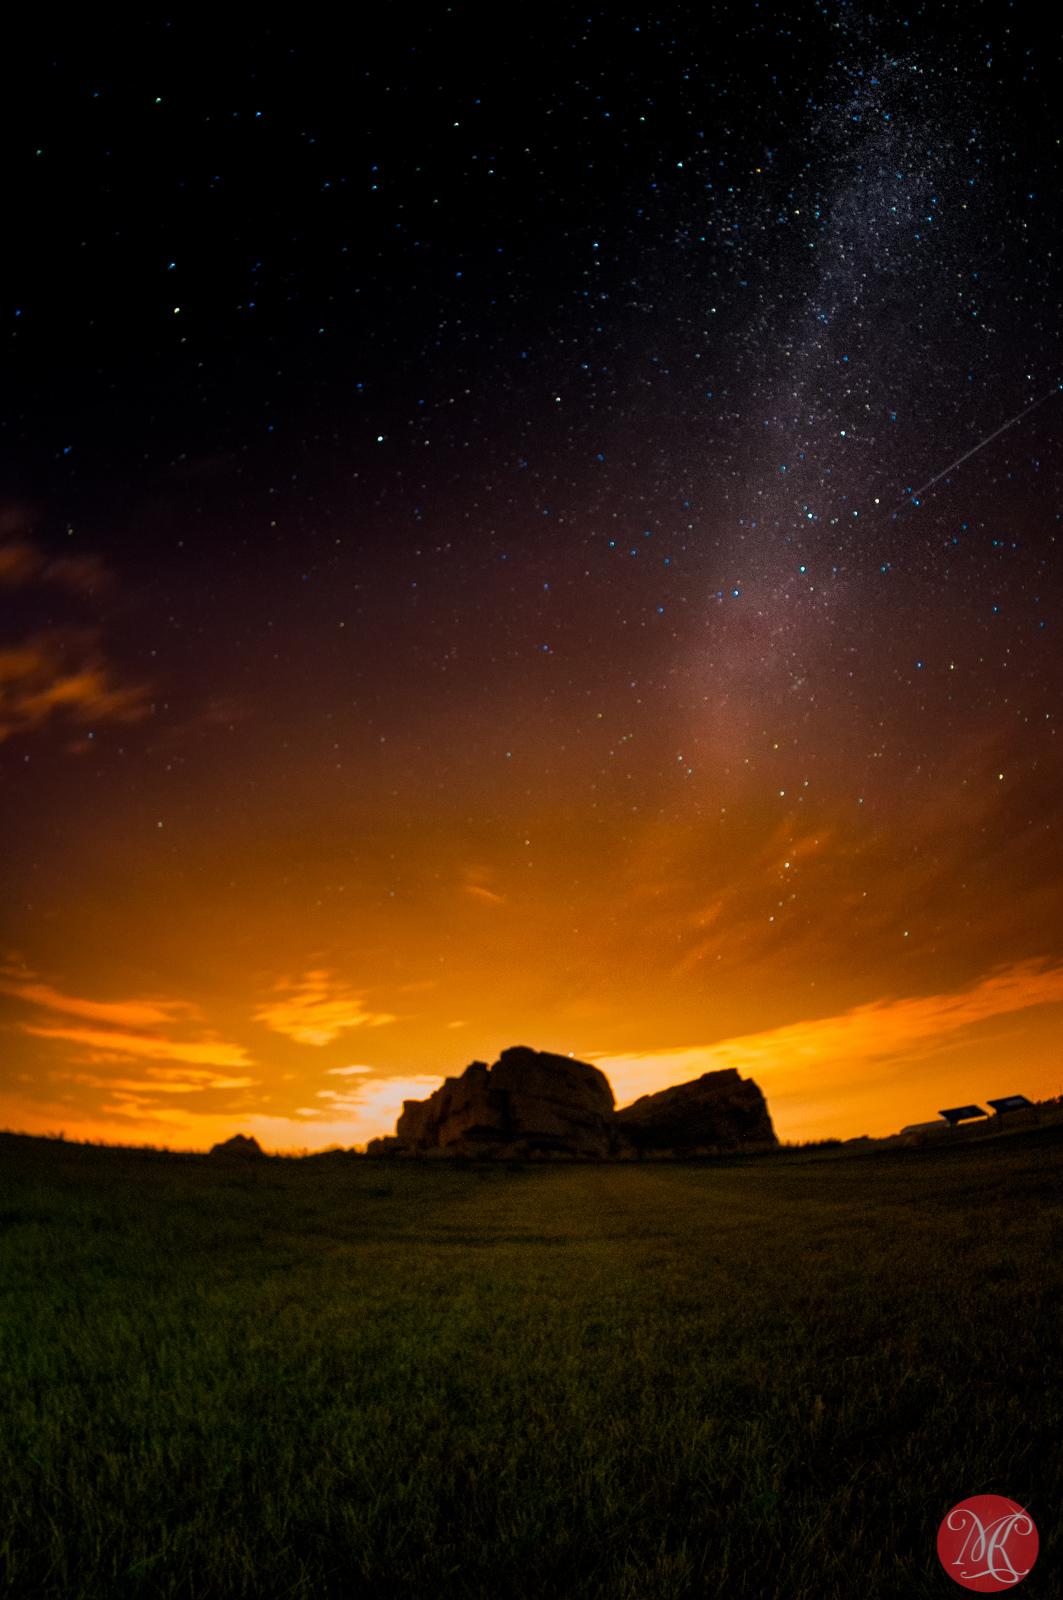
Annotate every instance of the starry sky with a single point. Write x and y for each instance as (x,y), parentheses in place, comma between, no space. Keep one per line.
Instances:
(483,560)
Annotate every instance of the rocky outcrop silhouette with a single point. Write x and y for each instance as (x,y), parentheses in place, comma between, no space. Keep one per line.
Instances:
(718,1111)
(534,1104)
(529,1103)
(241,1146)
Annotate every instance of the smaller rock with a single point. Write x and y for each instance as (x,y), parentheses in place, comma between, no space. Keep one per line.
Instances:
(388,1145)
(718,1111)
(240,1145)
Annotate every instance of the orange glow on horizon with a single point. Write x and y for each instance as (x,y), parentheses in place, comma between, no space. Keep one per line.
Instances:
(867,1070)
(282,909)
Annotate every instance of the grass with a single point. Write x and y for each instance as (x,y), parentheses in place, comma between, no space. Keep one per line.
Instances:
(333,1377)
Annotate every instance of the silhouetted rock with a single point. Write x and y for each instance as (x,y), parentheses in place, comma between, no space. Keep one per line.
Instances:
(533,1105)
(459,1106)
(528,1103)
(717,1111)
(388,1145)
(241,1146)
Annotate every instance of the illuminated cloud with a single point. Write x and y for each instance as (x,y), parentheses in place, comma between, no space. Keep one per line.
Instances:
(315,1009)
(343,1121)
(165,1080)
(81,574)
(480,893)
(825,1065)
(212,1052)
(20,562)
(23,562)
(127,1035)
(889,1028)
(122,1071)
(125,1013)
(366,1109)
(61,675)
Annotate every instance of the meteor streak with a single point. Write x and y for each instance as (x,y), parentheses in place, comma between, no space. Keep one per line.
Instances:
(914,494)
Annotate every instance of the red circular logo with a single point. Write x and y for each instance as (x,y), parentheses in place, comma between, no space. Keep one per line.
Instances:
(987,1543)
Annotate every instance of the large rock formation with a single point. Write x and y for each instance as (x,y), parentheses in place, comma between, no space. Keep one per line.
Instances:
(717,1111)
(528,1103)
(531,1103)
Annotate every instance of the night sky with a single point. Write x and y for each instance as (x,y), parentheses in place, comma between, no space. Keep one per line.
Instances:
(470,572)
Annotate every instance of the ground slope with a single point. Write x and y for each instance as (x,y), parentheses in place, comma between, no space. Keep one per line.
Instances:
(329,1378)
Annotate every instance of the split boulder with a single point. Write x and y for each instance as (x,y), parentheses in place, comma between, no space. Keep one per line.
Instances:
(718,1111)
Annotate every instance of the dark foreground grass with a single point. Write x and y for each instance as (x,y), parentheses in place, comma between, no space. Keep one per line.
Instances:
(336,1378)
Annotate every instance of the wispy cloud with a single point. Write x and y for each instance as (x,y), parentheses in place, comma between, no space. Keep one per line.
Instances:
(133,1113)
(885,1028)
(315,1008)
(23,562)
(125,1013)
(20,562)
(128,1033)
(61,675)
(165,1080)
(109,1042)
(339,1120)
(825,1059)
(369,1107)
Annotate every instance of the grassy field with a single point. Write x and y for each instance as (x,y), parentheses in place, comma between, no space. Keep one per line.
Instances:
(333,1377)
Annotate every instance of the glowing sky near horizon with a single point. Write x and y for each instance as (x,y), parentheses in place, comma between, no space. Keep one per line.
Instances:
(460,583)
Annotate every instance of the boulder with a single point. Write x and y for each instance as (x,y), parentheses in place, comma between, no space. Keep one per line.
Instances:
(241,1146)
(388,1145)
(529,1103)
(554,1102)
(719,1110)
